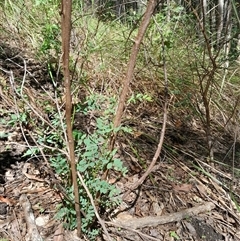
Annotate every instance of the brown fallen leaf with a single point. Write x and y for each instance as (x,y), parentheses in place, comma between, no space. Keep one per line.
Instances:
(182,188)
(6,200)
(58,235)
(15,229)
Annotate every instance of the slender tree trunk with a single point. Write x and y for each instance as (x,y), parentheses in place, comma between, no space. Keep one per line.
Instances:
(66,10)
(238,48)
(130,71)
(168,11)
(220,21)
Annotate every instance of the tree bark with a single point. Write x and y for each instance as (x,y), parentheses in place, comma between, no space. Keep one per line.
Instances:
(66,33)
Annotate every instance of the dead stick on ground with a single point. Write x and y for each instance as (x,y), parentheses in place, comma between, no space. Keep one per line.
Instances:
(132,230)
(153,221)
(32,234)
(94,207)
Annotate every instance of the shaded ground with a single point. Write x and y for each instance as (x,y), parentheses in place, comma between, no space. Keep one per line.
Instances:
(182,179)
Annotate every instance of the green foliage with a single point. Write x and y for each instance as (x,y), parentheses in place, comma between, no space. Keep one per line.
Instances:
(50,29)
(50,34)
(94,157)
(31,151)
(161,29)
(60,165)
(174,235)
(104,49)
(139,97)
(161,34)
(47,3)
(3,135)
(15,119)
(36,22)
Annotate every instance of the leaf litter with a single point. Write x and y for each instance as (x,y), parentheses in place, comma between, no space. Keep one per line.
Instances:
(175,186)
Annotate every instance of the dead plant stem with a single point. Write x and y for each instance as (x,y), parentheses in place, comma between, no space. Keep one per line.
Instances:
(94,207)
(156,155)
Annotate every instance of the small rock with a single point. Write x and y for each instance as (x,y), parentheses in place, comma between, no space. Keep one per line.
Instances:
(42,220)
(3,208)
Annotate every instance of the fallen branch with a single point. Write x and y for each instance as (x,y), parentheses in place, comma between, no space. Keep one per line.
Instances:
(32,231)
(153,221)
(133,230)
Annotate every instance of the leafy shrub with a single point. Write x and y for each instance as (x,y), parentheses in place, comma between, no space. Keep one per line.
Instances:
(93,158)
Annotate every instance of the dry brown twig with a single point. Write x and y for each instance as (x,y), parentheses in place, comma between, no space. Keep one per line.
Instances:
(131,66)
(33,233)
(153,221)
(94,207)
(132,230)
(154,160)
(219,196)
(32,107)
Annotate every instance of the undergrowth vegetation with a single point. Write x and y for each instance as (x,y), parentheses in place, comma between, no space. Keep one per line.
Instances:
(203,92)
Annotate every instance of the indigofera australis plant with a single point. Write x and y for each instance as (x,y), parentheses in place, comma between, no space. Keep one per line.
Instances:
(82,159)
(91,142)
(91,155)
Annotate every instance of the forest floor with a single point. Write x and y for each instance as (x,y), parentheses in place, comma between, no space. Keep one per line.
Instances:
(186,197)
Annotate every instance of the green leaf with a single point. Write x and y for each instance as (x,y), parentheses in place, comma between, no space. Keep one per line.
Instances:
(174,235)
(82,166)
(3,135)
(31,151)
(117,163)
(109,165)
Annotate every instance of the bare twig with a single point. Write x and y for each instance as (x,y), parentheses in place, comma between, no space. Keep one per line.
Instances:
(131,65)
(165,111)
(94,207)
(33,233)
(132,230)
(129,75)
